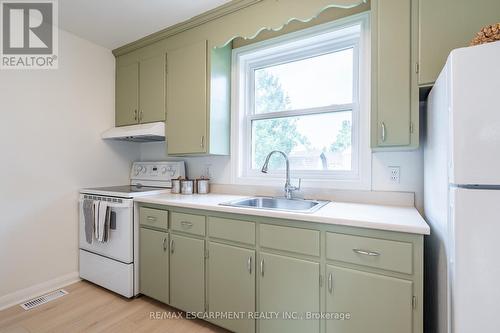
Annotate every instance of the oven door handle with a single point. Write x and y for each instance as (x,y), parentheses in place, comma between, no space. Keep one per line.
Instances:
(112,205)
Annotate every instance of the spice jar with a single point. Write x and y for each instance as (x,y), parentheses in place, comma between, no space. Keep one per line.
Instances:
(203,185)
(176,186)
(187,186)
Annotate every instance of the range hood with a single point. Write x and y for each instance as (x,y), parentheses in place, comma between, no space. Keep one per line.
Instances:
(137,133)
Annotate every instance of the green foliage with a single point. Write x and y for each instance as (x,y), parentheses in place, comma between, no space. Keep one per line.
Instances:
(273,134)
(343,140)
(269,95)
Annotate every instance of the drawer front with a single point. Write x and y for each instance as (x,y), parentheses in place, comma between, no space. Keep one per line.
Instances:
(189,223)
(232,230)
(379,253)
(290,239)
(153,217)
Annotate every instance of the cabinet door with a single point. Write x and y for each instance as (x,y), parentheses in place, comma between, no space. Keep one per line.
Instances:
(187,273)
(152,89)
(153,264)
(231,284)
(288,286)
(186,126)
(127,95)
(445,25)
(375,303)
(391,59)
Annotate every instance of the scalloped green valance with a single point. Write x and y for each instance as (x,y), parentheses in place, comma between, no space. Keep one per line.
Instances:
(243,18)
(271,15)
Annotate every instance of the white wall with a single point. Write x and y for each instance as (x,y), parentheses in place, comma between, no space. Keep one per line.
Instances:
(410,163)
(50,127)
(220,167)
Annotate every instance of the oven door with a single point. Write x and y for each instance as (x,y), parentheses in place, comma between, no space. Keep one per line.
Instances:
(120,242)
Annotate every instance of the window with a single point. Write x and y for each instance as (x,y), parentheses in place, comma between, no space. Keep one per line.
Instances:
(305,94)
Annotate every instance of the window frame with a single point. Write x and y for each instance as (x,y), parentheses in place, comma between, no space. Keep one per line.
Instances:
(292,47)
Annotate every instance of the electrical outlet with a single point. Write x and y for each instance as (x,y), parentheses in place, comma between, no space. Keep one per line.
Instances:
(394,173)
(207,173)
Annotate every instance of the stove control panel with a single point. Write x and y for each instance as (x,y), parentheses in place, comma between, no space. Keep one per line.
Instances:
(162,172)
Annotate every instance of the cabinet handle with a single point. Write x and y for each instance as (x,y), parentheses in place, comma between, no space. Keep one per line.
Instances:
(249,265)
(165,244)
(172,246)
(262,266)
(202,141)
(135,115)
(383,132)
(330,283)
(140,116)
(186,224)
(366,253)
(151,218)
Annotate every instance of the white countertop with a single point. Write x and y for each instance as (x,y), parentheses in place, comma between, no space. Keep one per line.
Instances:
(392,218)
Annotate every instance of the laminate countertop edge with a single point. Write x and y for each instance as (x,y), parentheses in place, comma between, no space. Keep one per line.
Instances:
(379,217)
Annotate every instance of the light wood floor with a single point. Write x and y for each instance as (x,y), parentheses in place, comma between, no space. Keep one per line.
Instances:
(89,308)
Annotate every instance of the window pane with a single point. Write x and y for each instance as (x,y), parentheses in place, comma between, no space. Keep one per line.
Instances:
(312,142)
(313,82)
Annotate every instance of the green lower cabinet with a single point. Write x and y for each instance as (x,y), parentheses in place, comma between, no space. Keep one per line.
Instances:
(288,286)
(153,264)
(202,268)
(231,285)
(376,303)
(187,273)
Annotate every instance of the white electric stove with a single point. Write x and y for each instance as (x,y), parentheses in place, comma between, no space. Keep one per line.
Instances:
(113,264)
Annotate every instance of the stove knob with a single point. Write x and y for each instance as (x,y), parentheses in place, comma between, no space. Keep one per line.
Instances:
(163,170)
(172,173)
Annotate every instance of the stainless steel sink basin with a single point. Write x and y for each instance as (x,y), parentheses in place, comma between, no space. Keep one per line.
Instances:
(289,205)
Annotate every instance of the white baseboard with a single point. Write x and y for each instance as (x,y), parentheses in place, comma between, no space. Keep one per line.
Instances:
(22,295)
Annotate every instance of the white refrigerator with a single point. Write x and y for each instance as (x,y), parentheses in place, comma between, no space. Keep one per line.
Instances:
(462,193)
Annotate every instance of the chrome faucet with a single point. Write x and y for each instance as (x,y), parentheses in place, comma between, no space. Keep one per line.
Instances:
(289,188)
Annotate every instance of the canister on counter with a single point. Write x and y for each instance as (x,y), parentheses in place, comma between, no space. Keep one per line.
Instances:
(203,185)
(176,186)
(187,186)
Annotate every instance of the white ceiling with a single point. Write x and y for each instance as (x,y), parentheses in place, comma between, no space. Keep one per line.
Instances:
(113,23)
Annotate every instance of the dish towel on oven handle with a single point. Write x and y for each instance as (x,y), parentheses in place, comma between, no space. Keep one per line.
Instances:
(88,216)
(107,224)
(102,216)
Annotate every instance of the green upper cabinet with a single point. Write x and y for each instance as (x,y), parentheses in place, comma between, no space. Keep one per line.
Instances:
(186,125)
(394,88)
(411,40)
(231,285)
(198,99)
(152,89)
(187,273)
(127,94)
(288,285)
(446,25)
(140,91)
(372,300)
(153,264)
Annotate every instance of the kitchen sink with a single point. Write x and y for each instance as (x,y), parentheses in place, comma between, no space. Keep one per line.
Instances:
(288,205)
